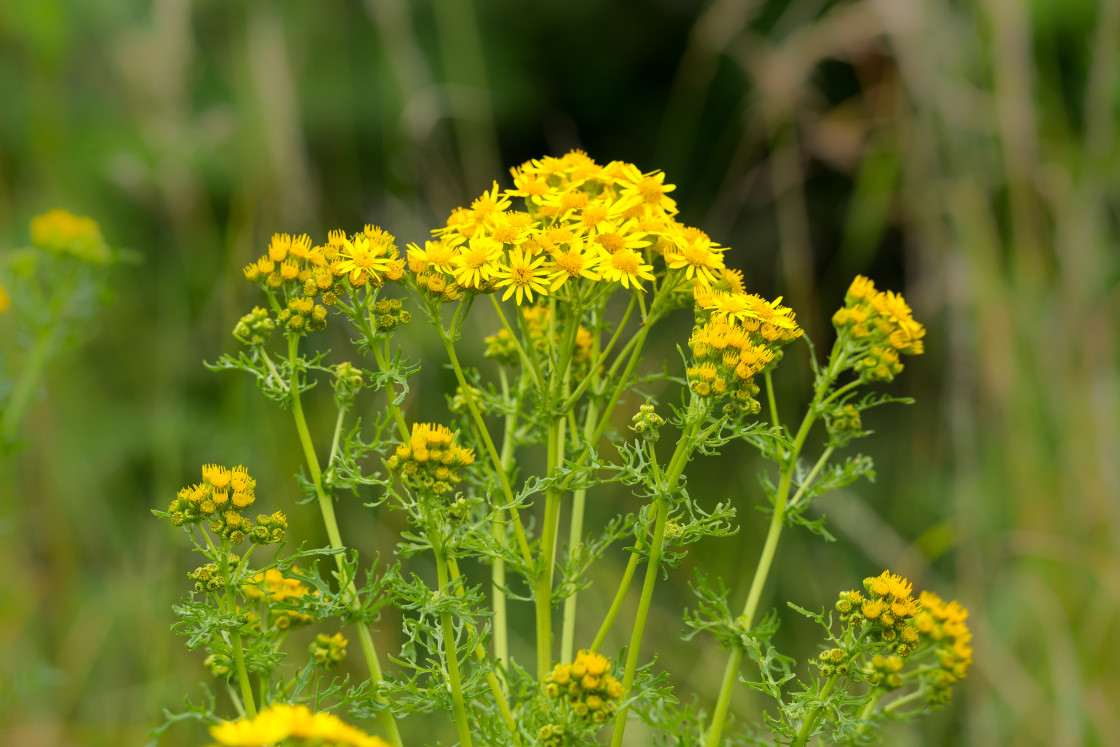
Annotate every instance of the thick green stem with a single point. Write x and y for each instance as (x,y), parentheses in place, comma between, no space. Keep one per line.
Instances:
(770,399)
(542,596)
(235,638)
(498,569)
(330,522)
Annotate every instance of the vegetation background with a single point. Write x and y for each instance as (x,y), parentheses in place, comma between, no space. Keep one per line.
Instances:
(962,152)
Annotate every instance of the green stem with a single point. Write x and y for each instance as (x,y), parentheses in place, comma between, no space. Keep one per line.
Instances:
(770,399)
(326,508)
(869,708)
(575,542)
(498,569)
(543,594)
(762,570)
(810,721)
(653,567)
(16,406)
(491,451)
(451,653)
(616,604)
(243,677)
(808,481)
(394,410)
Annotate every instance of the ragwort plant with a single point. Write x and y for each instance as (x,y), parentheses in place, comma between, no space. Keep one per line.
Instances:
(50,293)
(574,279)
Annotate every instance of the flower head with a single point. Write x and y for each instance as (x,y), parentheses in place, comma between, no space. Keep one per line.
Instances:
(521,277)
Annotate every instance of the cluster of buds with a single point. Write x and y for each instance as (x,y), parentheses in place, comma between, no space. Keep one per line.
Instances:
(881,327)
(431,459)
(439,287)
(328,650)
(833,661)
(459,511)
(551,735)
(647,423)
(942,624)
(502,347)
(843,423)
(270,529)
(887,609)
(884,671)
(348,381)
(219,500)
(279,594)
(389,315)
(586,685)
(255,327)
(209,578)
(303,315)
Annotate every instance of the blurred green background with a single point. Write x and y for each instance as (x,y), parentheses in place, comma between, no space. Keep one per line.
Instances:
(963,153)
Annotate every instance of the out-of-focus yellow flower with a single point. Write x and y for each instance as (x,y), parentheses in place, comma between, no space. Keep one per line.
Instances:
(62,232)
(5,299)
(282,721)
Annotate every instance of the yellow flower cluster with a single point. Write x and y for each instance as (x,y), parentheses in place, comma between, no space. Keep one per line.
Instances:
(882,327)
(888,608)
(431,459)
(737,336)
(587,685)
(944,625)
(62,232)
(5,299)
(219,499)
(275,588)
(306,272)
(290,725)
(581,223)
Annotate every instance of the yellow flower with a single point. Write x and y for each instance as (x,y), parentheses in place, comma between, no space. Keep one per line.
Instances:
(5,299)
(612,236)
(648,191)
(280,721)
(699,258)
(477,263)
(572,263)
(625,266)
(523,277)
(63,232)
(364,258)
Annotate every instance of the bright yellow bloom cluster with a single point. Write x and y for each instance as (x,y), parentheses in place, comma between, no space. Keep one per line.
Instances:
(324,272)
(219,499)
(888,607)
(580,223)
(5,299)
(290,725)
(63,232)
(431,459)
(737,336)
(882,326)
(591,691)
(275,588)
(944,625)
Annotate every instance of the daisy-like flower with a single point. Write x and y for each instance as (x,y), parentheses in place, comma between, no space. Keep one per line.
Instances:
(573,261)
(477,262)
(487,204)
(522,277)
(612,236)
(365,260)
(625,266)
(647,190)
(699,258)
